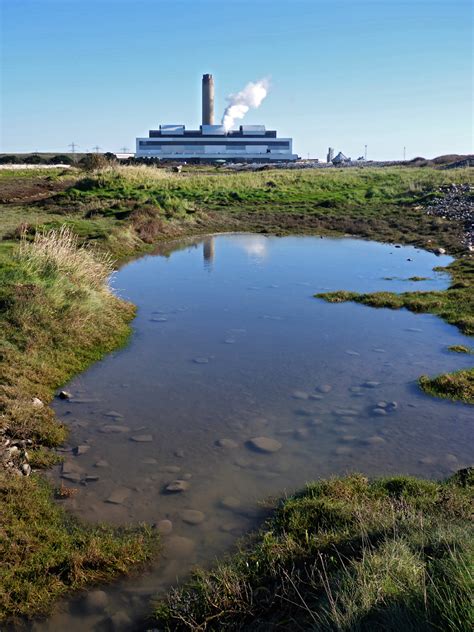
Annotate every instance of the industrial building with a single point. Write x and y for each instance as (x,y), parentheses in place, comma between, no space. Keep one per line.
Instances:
(250,143)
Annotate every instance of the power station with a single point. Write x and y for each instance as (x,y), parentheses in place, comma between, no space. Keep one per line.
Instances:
(250,143)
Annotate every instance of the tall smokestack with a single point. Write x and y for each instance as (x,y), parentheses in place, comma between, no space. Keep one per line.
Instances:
(207,100)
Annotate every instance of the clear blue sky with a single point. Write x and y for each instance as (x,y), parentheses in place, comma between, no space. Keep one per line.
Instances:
(345,73)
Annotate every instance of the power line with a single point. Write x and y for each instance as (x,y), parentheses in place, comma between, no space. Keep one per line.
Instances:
(96,148)
(124,150)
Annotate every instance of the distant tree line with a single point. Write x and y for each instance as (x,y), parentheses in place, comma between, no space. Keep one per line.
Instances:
(59,159)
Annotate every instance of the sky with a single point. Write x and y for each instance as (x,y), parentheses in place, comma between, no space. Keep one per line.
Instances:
(387,74)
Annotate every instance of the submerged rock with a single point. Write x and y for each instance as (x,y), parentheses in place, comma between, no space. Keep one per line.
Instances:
(324,388)
(177,486)
(192,516)
(179,547)
(101,463)
(264,444)
(164,527)
(227,443)
(114,429)
(96,601)
(168,469)
(229,502)
(81,449)
(371,384)
(300,395)
(119,496)
(143,438)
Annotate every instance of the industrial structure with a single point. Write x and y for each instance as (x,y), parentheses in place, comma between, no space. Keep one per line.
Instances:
(250,143)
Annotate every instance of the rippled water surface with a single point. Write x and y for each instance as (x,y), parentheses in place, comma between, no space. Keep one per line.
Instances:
(229,343)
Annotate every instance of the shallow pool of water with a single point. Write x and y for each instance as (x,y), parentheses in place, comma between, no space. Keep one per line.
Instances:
(229,344)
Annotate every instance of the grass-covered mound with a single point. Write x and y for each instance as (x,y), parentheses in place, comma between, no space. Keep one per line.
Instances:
(46,553)
(458,385)
(344,554)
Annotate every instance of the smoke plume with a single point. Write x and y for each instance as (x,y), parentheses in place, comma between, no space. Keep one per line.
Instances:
(241,102)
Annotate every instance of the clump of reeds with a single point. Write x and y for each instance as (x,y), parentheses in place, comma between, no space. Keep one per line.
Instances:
(58,253)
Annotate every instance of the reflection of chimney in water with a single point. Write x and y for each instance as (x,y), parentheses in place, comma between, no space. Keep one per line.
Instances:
(208,250)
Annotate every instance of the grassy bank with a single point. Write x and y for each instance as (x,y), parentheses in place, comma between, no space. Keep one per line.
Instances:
(57,316)
(344,554)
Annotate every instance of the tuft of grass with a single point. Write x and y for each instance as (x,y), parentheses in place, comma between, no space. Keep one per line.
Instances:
(344,554)
(458,385)
(461,349)
(46,553)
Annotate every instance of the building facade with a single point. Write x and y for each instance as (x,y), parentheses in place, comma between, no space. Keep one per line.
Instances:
(212,142)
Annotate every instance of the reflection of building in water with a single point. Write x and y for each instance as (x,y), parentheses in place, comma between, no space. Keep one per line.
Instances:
(208,250)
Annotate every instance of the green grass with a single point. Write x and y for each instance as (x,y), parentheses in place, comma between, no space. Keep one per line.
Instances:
(57,315)
(344,554)
(458,386)
(46,553)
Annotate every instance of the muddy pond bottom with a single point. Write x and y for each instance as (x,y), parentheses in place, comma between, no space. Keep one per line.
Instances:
(238,385)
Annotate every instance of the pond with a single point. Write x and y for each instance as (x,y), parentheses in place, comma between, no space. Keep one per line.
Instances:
(241,386)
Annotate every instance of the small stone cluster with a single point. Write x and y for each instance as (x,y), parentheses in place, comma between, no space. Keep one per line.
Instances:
(456,203)
(14,455)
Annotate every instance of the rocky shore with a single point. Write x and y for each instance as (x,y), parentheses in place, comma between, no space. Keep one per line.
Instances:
(456,203)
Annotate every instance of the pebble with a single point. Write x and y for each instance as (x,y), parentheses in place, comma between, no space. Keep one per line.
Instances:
(159,319)
(229,341)
(179,454)
(113,413)
(150,461)
(227,443)
(314,422)
(375,440)
(379,412)
(192,516)
(230,502)
(81,449)
(37,403)
(264,444)
(346,412)
(371,384)
(171,469)
(316,398)
(300,395)
(164,527)
(355,389)
(382,404)
(177,486)
(64,395)
(101,463)
(179,547)
(115,429)
(26,469)
(352,353)
(143,438)
(324,388)
(91,478)
(201,360)
(96,601)
(119,496)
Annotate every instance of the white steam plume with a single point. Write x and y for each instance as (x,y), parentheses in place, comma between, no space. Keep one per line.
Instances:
(241,102)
